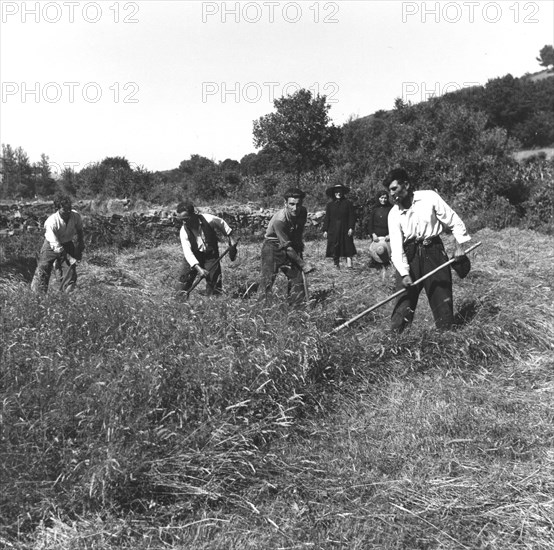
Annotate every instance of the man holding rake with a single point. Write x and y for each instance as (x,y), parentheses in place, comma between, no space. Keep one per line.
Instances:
(416,222)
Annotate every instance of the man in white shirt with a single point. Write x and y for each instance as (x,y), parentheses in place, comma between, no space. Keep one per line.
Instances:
(416,222)
(200,247)
(58,247)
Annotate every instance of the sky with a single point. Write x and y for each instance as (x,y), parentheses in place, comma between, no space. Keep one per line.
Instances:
(157,81)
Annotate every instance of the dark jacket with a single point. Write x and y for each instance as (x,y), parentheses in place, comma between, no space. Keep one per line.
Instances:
(378,220)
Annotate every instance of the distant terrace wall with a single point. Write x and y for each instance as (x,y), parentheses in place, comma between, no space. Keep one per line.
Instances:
(30,216)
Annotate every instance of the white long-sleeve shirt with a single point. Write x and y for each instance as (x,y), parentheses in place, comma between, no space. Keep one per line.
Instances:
(215,222)
(58,232)
(427,217)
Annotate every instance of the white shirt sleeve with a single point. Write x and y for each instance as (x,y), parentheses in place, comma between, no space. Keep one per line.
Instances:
(51,227)
(450,219)
(398,256)
(218,223)
(187,250)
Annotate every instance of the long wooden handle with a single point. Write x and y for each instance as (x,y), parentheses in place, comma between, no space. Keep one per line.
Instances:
(306,292)
(199,280)
(400,292)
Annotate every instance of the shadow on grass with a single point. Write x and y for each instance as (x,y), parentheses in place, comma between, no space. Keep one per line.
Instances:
(19,268)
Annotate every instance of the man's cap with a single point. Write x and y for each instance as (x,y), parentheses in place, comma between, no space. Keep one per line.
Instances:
(396,174)
(380,251)
(185,208)
(330,192)
(62,199)
(294,193)
(462,266)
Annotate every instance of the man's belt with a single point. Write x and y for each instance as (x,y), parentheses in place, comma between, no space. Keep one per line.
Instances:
(427,241)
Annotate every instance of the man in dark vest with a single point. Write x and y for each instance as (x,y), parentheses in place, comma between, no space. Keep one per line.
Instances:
(199,240)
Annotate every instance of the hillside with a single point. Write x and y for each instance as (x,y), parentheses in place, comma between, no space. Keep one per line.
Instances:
(541,75)
(524,106)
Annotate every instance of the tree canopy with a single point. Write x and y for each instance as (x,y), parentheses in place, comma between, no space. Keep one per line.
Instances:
(299,131)
(546,56)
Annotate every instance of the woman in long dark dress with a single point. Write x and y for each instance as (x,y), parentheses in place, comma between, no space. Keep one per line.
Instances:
(338,227)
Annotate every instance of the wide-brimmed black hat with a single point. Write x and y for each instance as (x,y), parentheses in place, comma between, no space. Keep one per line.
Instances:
(462,266)
(335,189)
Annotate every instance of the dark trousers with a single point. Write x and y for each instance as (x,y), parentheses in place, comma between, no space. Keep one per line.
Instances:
(187,274)
(274,260)
(423,259)
(67,274)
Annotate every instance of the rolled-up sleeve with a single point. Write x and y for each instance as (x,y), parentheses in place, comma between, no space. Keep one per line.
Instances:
(187,250)
(219,223)
(50,234)
(450,219)
(398,256)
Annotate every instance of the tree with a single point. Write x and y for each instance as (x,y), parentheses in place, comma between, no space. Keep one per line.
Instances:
(546,57)
(24,184)
(229,165)
(113,177)
(45,184)
(264,161)
(196,164)
(66,183)
(507,101)
(299,131)
(9,171)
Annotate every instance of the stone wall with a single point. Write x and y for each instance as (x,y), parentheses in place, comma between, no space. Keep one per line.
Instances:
(30,217)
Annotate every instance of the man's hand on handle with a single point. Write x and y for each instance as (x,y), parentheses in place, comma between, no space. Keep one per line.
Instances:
(70,259)
(459,251)
(407,281)
(201,271)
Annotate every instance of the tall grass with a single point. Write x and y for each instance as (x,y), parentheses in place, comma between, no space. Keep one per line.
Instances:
(131,420)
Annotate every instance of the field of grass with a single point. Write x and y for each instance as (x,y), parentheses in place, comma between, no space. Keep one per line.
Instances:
(133,421)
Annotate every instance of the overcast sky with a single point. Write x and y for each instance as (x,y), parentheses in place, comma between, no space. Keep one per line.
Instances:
(157,81)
